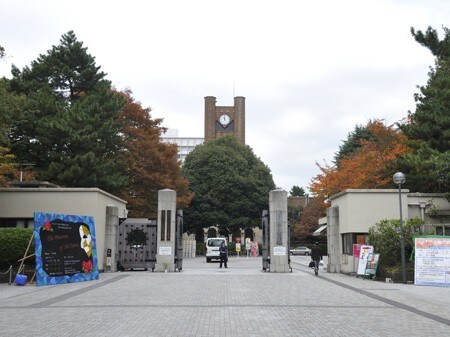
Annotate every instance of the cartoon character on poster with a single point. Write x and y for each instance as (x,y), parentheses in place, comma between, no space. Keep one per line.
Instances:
(65,248)
(254,248)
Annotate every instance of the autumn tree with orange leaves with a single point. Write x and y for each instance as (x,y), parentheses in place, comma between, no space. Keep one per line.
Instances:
(150,164)
(370,163)
(312,212)
(370,166)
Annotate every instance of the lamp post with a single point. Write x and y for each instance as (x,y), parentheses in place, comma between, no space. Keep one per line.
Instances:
(399,179)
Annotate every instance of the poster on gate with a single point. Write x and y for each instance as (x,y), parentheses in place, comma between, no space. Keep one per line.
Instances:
(364,252)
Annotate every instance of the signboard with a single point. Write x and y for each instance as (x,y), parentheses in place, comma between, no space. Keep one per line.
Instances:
(65,248)
(363,255)
(238,247)
(247,243)
(279,250)
(356,250)
(254,248)
(372,264)
(165,250)
(432,261)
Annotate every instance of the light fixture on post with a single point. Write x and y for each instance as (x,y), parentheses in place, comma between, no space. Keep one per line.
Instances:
(399,179)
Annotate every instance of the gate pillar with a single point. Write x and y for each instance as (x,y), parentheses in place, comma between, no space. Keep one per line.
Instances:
(279,236)
(111,238)
(334,262)
(167,215)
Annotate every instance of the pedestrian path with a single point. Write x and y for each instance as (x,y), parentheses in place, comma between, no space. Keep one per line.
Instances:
(204,300)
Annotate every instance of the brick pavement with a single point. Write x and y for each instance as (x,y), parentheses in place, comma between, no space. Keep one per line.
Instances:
(204,300)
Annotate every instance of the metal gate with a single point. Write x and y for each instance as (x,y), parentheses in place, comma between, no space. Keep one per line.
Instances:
(266,240)
(179,241)
(137,244)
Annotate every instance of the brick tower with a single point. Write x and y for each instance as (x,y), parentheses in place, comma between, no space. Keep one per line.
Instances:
(225,120)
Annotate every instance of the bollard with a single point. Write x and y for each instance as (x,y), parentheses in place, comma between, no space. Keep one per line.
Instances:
(10,275)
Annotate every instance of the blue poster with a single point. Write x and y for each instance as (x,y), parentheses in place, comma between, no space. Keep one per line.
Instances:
(66,249)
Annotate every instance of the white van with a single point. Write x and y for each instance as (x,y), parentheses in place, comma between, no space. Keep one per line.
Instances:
(212,248)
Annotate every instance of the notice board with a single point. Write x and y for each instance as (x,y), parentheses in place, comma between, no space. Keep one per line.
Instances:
(364,252)
(432,261)
(65,248)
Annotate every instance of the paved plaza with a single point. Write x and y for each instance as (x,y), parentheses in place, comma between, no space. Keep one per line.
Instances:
(203,300)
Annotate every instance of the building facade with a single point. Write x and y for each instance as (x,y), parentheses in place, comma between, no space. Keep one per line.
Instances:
(184,144)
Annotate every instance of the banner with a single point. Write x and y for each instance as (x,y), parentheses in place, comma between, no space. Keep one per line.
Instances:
(432,261)
(65,248)
(363,255)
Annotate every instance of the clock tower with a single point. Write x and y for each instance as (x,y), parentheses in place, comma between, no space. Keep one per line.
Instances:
(225,120)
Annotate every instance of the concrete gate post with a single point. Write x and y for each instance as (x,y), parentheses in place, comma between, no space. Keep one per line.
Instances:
(111,238)
(334,261)
(165,257)
(279,254)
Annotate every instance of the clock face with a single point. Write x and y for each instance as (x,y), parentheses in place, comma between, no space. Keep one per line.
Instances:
(224,120)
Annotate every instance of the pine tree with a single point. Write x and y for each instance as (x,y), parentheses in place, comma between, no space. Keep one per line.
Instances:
(428,127)
(71,130)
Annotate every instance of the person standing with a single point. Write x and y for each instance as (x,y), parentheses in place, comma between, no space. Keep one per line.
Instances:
(223,250)
(316,256)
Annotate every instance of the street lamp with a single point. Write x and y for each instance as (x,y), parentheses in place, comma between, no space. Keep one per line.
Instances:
(399,179)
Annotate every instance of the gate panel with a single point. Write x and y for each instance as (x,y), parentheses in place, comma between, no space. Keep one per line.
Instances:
(266,240)
(137,244)
(179,241)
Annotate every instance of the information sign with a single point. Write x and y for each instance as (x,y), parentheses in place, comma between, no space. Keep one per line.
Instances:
(279,250)
(65,248)
(432,261)
(165,250)
(363,255)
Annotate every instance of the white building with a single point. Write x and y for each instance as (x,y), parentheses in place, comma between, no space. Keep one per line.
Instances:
(17,207)
(185,144)
(353,212)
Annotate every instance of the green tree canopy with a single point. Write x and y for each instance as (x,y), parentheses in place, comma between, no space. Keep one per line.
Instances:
(428,127)
(70,129)
(297,191)
(231,186)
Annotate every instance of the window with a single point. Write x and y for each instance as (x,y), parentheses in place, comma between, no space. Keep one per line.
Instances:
(443,230)
(349,239)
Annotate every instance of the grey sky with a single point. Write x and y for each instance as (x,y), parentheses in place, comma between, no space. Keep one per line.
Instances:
(310,71)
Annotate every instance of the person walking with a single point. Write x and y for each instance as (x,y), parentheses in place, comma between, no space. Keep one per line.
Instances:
(223,250)
(316,256)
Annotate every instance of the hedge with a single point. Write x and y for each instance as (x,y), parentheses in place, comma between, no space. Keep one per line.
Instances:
(13,244)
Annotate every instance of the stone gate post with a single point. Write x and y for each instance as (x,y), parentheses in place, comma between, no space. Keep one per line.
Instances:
(165,257)
(279,254)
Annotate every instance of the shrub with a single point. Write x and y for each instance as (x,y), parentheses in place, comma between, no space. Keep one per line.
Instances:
(385,238)
(13,245)
(200,248)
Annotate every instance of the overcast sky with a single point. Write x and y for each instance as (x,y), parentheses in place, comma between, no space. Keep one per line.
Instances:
(310,70)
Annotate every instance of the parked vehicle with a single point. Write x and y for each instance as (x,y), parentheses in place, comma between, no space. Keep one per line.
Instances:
(300,251)
(212,248)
